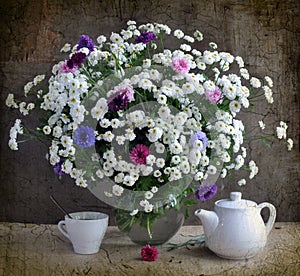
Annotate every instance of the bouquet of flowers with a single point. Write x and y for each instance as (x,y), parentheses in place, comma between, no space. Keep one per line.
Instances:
(143,126)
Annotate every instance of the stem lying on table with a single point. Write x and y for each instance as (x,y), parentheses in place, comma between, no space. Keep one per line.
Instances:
(192,242)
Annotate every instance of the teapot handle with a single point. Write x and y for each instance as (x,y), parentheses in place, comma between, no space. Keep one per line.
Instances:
(269,224)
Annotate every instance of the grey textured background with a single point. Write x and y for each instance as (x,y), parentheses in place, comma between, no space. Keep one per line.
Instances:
(265,33)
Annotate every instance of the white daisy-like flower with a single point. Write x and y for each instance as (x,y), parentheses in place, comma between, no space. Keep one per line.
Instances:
(211,169)
(269,81)
(290,143)
(261,124)
(154,189)
(117,190)
(255,82)
(179,34)
(148,195)
(134,212)
(81,182)
(148,208)
(242,182)
(198,35)
(47,130)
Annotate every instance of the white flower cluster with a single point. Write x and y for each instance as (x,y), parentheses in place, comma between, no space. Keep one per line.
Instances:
(182,130)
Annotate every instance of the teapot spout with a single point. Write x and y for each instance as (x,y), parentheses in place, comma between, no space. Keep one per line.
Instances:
(209,221)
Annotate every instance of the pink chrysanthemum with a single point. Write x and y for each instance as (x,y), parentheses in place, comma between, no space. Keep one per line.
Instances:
(139,154)
(214,96)
(149,253)
(181,65)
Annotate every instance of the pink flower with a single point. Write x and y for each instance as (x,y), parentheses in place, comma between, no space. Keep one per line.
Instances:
(180,65)
(214,96)
(149,253)
(139,154)
(66,69)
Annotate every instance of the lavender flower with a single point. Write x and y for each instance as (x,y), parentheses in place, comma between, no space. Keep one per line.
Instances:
(57,167)
(206,191)
(145,37)
(85,42)
(84,137)
(199,136)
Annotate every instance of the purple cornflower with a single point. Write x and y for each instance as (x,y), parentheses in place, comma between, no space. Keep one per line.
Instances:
(76,60)
(85,42)
(120,99)
(200,135)
(57,167)
(84,137)
(206,191)
(146,37)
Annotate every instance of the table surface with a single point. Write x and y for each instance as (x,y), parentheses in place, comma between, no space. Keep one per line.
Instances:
(30,249)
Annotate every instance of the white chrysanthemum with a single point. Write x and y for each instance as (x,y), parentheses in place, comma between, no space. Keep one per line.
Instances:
(185,47)
(268,94)
(154,134)
(239,61)
(198,35)
(12,143)
(154,189)
(223,173)
(120,140)
(211,169)
(255,82)
(244,73)
(117,190)
(290,143)
(164,112)
(261,124)
(269,81)
(159,147)
(67,166)
(128,180)
(57,131)
(175,148)
(185,167)
(281,130)
(47,130)
(150,159)
(242,182)
(162,99)
(134,212)
(10,102)
(179,34)
(66,141)
(144,202)
(148,208)
(234,106)
(208,57)
(116,38)
(100,109)
(148,195)
(81,182)
(160,162)
(239,162)
(157,173)
(119,178)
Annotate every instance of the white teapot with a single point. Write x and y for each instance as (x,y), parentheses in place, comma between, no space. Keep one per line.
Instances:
(236,229)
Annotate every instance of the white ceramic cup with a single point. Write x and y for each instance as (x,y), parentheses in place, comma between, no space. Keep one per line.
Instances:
(85,230)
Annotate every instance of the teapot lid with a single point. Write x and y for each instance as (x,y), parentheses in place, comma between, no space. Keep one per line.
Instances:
(235,202)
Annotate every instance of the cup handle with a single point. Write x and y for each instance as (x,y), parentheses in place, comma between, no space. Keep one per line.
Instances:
(269,224)
(62,228)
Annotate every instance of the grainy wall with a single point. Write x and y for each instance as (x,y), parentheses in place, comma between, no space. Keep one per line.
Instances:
(265,33)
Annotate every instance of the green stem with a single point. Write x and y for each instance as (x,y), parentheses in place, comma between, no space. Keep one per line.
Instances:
(149,227)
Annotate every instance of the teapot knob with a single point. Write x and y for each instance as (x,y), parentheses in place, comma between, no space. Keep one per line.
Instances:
(235,196)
